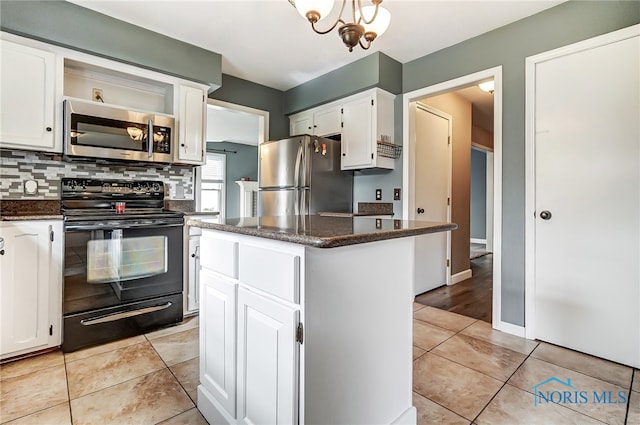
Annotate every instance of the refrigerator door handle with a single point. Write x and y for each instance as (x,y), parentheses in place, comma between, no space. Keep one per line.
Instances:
(296,169)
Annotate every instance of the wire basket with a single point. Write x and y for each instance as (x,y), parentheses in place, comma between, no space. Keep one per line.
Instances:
(389,150)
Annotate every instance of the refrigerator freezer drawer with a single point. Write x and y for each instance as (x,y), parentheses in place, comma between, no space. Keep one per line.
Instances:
(283,202)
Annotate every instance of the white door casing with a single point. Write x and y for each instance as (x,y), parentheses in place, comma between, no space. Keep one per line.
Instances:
(408,180)
(583,166)
(432,194)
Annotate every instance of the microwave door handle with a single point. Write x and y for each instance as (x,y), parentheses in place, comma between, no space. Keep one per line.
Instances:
(150,138)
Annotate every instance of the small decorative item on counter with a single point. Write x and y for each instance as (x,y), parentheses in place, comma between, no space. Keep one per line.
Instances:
(120,207)
(316,149)
(324,149)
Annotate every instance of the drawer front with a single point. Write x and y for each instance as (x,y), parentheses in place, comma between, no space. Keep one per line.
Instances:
(219,255)
(275,272)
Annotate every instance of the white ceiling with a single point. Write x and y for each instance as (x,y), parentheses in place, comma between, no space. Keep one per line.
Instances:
(268,42)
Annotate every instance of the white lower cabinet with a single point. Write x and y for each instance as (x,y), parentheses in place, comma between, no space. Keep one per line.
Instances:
(218,339)
(267,360)
(249,360)
(31,286)
(292,334)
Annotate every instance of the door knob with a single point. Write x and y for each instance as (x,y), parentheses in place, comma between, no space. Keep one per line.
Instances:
(545,215)
(420,210)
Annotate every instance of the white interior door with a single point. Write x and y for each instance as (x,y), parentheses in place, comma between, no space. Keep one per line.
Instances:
(432,194)
(587,200)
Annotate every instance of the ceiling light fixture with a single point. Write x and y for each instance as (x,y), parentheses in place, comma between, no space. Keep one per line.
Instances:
(487,86)
(367,22)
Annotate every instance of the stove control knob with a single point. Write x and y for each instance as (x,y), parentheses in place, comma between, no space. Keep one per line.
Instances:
(156,187)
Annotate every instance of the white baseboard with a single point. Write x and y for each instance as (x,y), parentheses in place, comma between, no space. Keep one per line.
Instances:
(512,329)
(482,241)
(410,416)
(459,277)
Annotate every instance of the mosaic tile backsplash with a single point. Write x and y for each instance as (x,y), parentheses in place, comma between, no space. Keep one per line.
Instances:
(18,166)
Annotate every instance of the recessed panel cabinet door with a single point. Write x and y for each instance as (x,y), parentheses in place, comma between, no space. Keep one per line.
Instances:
(218,338)
(27,97)
(191,143)
(267,361)
(357,134)
(25,291)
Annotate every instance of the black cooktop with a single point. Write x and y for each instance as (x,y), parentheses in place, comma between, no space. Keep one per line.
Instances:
(99,199)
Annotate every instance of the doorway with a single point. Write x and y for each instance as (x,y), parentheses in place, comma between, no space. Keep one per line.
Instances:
(234,131)
(409,171)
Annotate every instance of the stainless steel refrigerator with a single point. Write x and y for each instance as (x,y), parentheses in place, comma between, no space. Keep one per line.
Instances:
(301,175)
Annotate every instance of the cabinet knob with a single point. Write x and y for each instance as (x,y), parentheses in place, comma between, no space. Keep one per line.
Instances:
(420,210)
(49,129)
(1,251)
(344,154)
(182,144)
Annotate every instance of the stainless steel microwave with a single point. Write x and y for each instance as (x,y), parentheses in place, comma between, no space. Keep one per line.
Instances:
(95,130)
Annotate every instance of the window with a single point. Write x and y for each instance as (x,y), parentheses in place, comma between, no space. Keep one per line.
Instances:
(212,183)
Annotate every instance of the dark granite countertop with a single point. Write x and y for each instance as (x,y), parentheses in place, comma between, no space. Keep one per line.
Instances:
(324,232)
(30,209)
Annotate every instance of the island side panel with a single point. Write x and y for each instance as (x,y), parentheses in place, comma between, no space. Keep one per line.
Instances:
(358,334)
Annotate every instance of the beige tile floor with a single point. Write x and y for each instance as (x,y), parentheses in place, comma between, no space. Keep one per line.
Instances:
(464,373)
(147,379)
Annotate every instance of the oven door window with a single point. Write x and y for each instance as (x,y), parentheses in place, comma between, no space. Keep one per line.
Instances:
(117,260)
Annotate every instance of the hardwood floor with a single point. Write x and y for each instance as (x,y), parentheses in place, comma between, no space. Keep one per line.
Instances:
(472,297)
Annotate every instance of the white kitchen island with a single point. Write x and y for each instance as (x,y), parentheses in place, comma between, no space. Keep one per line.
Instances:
(307,320)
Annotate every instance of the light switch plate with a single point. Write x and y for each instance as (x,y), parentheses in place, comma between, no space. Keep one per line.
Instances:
(396,194)
(378,194)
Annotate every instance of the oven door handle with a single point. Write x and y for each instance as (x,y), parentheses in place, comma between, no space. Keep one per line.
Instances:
(123,315)
(93,226)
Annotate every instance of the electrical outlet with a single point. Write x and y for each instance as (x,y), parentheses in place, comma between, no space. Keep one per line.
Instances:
(96,95)
(396,194)
(378,194)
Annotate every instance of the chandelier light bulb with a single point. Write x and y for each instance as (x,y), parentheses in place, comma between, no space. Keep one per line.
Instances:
(321,8)
(379,25)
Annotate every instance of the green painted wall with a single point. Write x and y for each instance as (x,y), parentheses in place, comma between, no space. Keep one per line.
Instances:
(245,93)
(509,46)
(69,25)
(375,70)
(243,163)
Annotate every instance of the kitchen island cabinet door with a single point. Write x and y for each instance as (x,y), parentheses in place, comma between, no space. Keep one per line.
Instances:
(31,279)
(27,99)
(218,339)
(267,360)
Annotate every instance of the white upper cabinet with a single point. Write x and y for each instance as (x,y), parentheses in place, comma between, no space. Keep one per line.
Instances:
(327,121)
(367,120)
(31,286)
(323,121)
(364,124)
(191,122)
(301,123)
(27,90)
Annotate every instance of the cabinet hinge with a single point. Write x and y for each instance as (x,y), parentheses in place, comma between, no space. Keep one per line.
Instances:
(50,330)
(371,156)
(448,201)
(51,235)
(342,110)
(341,125)
(371,102)
(448,262)
(299,333)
